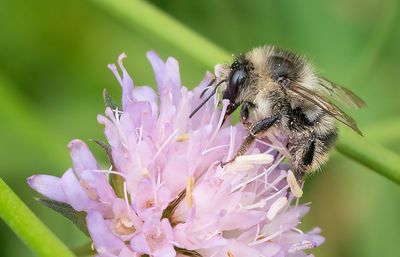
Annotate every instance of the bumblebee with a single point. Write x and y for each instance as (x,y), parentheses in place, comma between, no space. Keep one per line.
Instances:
(280,92)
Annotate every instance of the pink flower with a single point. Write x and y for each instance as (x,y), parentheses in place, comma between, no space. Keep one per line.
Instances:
(177,200)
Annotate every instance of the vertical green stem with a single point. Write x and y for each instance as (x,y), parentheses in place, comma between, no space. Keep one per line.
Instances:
(28,227)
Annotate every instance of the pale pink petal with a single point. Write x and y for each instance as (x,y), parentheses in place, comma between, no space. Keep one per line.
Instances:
(102,236)
(48,186)
(158,68)
(139,243)
(147,94)
(74,192)
(82,157)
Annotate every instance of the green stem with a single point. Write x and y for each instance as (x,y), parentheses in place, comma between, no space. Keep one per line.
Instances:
(142,15)
(387,131)
(28,227)
(373,156)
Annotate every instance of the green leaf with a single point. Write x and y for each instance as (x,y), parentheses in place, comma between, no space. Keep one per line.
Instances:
(109,101)
(28,227)
(116,181)
(78,218)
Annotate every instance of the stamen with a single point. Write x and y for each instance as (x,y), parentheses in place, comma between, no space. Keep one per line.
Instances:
(126,198)
(262,238)
(116,115)
(213,149)
(126,222)
(111,116)
(275,194)
(230,254)
(297,230)
(256,177)
(260,158)
(145,172)
(259,204)
(231,143)
(305,244)
(111,172)
(211,235)
(189,190)
(124,226)
(294,186)
(164,145)
(277,207)
(182,138)
(258,231)
(272,147)
(215,253)
(140,135)
(221,119)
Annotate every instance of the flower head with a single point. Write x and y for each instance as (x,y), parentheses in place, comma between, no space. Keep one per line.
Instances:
(165,193)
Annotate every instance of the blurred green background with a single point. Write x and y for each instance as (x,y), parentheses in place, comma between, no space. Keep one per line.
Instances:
(53,58)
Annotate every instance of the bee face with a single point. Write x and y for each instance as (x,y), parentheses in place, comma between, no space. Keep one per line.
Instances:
(237,77)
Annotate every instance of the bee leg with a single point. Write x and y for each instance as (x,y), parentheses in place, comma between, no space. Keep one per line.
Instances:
(244,113)
(302,151)
(305,158)
(248,141)
(308,154)
(257,131)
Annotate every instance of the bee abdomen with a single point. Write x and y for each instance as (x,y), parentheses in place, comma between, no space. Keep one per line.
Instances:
(309,152)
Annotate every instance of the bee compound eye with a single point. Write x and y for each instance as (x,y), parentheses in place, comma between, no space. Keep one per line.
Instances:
(238,77)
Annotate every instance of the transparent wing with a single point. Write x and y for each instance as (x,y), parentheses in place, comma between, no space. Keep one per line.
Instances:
(325,104)
(339,94)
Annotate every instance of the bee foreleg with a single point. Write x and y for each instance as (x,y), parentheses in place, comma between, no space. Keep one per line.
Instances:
(260,127)
(244,113)
(256,131)
(248,141)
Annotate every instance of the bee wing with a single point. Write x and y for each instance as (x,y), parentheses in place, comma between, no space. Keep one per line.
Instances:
(339,94)
(325,104)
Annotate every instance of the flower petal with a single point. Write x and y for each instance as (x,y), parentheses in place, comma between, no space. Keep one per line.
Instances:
(82,157)
(102,236)
(48,186)
(139,243)
(76,196)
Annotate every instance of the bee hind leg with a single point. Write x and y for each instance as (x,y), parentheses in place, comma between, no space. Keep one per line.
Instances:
(308,155)
(302,152)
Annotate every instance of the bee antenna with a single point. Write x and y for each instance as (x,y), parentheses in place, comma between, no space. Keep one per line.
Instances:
(208,97)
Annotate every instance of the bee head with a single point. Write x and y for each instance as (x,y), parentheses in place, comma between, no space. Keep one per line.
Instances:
(236,78)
